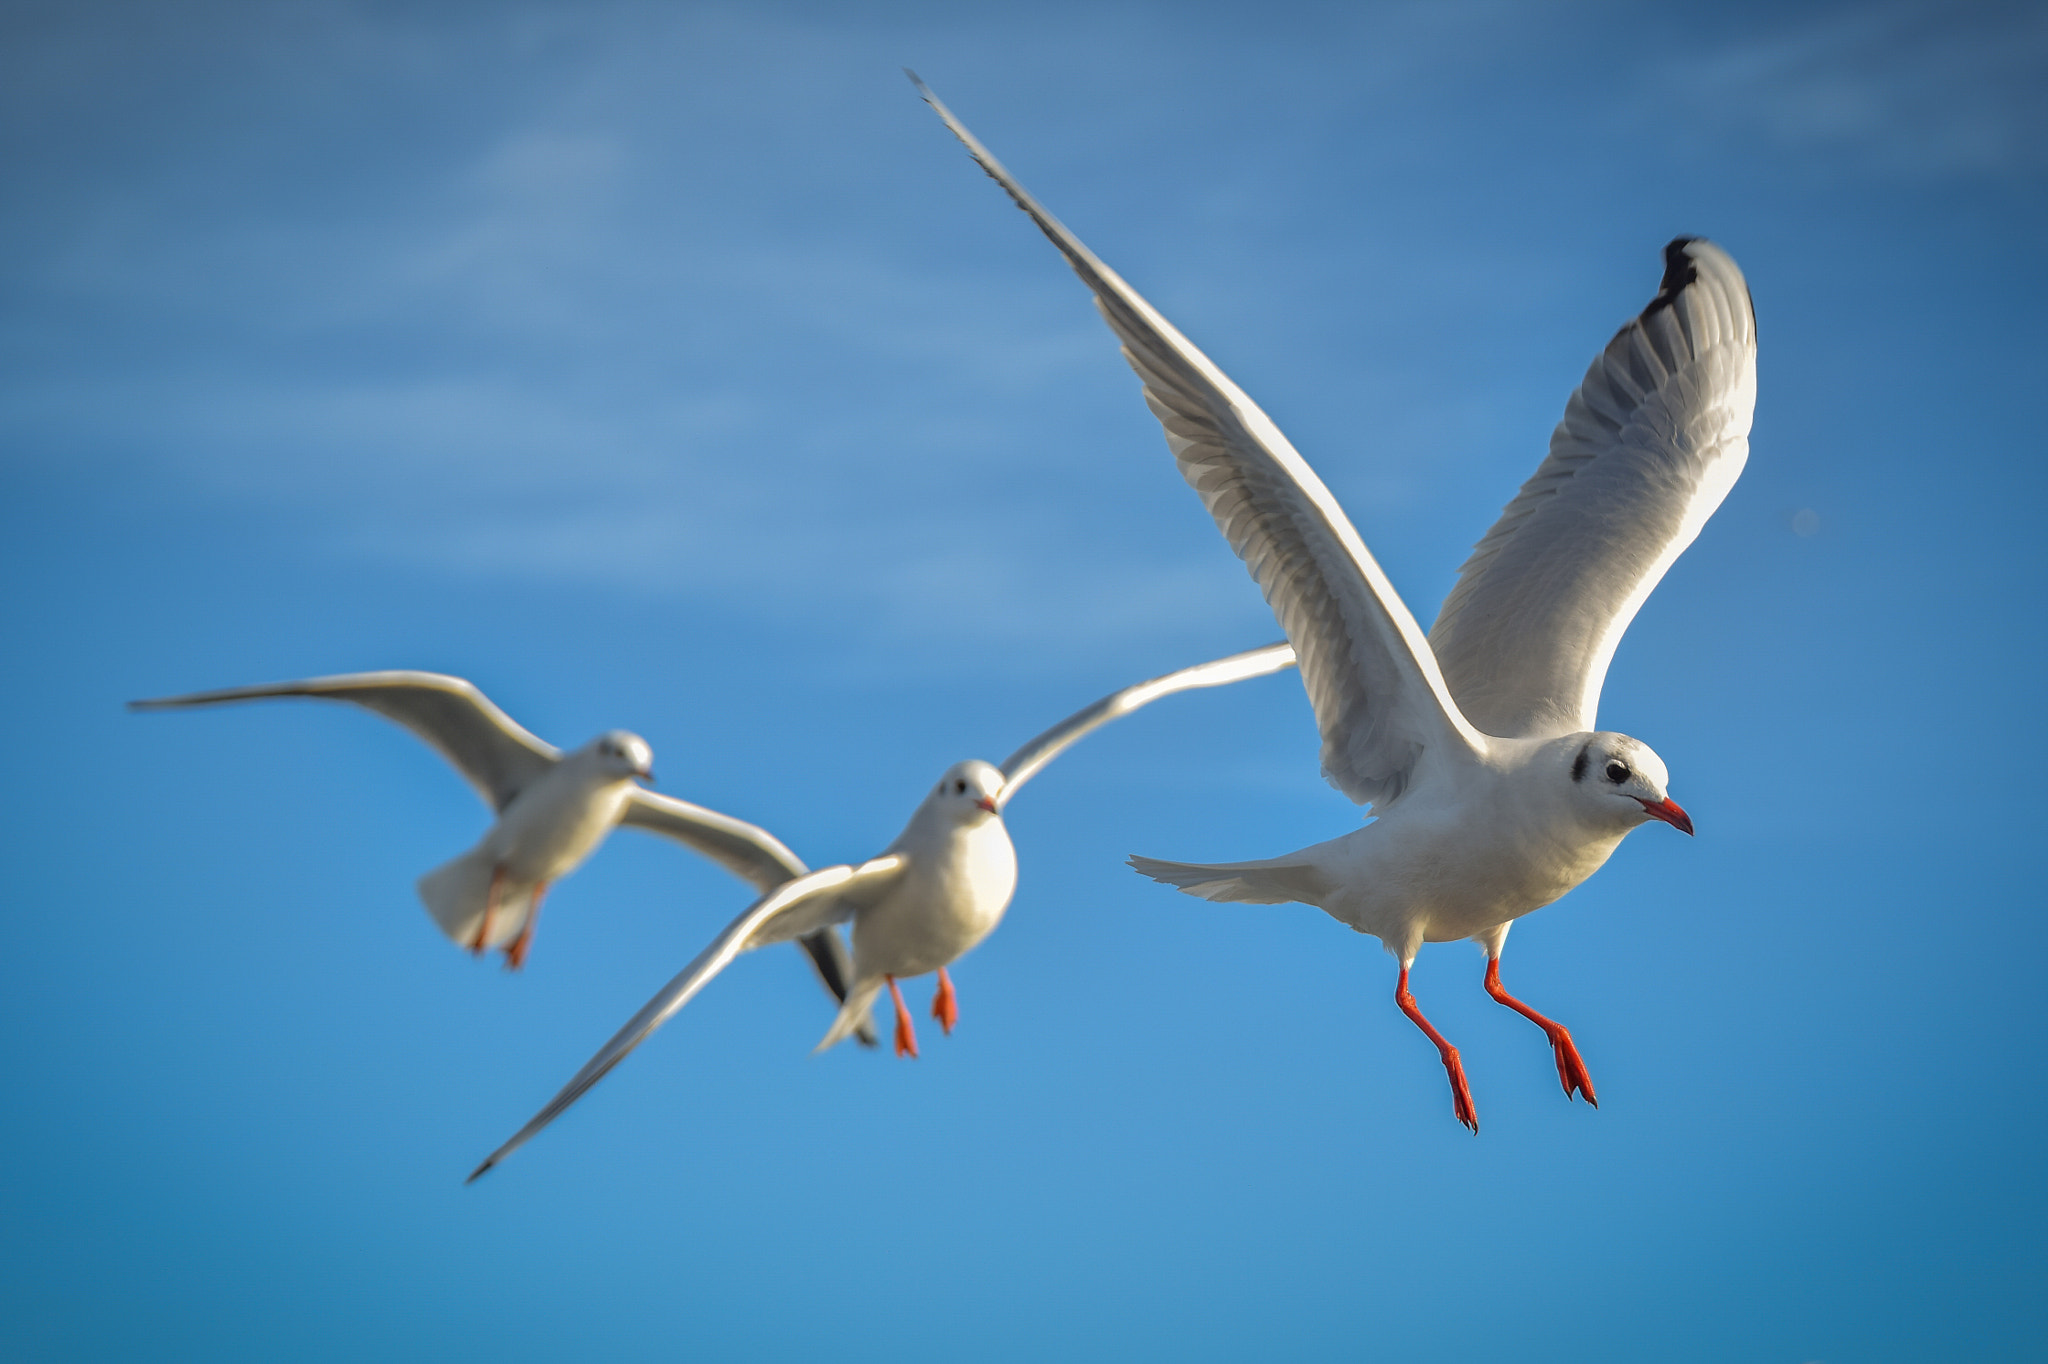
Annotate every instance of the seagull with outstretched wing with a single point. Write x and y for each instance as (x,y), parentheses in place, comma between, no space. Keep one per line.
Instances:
(554,809)
(933,894)
(1493,793)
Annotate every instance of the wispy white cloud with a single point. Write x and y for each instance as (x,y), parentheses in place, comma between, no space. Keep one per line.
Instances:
(663,300)
(1911,90)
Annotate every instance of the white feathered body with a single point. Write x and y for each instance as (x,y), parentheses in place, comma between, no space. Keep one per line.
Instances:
(543,835)
(952,895)
(1474,848)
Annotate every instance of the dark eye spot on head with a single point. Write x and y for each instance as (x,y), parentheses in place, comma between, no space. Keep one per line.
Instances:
(1617,773)
(1579,763)
(960,788)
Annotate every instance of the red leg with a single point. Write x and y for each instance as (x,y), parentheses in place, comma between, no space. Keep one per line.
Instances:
(515,955)
(1461,1094)
(483,928)
(1571,1071)
(906,1036)
(945,1007)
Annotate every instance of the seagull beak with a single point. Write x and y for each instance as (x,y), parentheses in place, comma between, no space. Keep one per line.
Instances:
(645,774)
(988,803)
(1668,811)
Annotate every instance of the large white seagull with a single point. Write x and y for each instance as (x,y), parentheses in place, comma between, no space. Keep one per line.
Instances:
(1494,792)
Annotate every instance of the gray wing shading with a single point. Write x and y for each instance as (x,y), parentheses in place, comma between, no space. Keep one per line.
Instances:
(1379,700)
(487,746)
(754,855)
(791,910)
(746,850)
(1649,445)
(1025,763)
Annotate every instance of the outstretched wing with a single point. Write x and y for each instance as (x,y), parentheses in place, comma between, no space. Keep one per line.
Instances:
(486,745)
(1025,763)
(1379,700)
(792,910)
(1649,445)
(746,850)
(753,854)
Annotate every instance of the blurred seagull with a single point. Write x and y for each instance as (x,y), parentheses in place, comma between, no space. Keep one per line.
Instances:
(554,809)
(1475,747)
(933,894)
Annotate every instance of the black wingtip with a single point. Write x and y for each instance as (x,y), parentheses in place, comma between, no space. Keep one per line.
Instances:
(1680,270)
(479,1172)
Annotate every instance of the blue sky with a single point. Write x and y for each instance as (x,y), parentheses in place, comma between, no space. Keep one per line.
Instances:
(670,367)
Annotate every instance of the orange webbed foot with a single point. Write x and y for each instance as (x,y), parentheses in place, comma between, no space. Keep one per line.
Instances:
(906,1036)
(945,1006)
(1461,1093)
(1571,1069)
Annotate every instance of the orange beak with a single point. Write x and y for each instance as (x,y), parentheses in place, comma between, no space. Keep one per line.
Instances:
(1668,811)
(987,803)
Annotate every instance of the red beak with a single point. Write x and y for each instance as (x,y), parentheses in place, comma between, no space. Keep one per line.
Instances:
(988,803)
(1668,811)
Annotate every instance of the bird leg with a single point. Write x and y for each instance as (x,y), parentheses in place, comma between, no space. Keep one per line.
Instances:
(515,955)
(906,1036)
(483,927)
(1461,1094)
(1571,1071)
(945,1007)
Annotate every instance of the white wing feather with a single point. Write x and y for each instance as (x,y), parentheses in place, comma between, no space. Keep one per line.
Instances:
(1025,763)
(1379,700)
(791,910)
(754,855)
(488,747)
(1649,445)
(746,850)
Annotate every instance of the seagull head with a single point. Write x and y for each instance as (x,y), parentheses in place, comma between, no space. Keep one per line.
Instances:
(969,791)
(620,753)
(1620,781)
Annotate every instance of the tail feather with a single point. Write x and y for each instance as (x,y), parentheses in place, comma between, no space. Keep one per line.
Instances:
(1274,882)
(456,893)
(855,1013)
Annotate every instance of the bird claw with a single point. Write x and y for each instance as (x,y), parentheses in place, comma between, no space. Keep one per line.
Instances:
(1571,1069)
(906,1036)
(515,951)
(945,1007)
(1461,1093)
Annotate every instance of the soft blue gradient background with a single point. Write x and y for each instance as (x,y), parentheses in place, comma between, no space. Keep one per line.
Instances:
(671,367)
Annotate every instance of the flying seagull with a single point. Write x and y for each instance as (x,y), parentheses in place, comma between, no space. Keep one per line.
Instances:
(554,809)
(1493,793)
(933,894)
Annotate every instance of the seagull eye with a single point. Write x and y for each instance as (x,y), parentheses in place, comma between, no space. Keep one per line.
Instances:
(1617,773)
(959,788)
